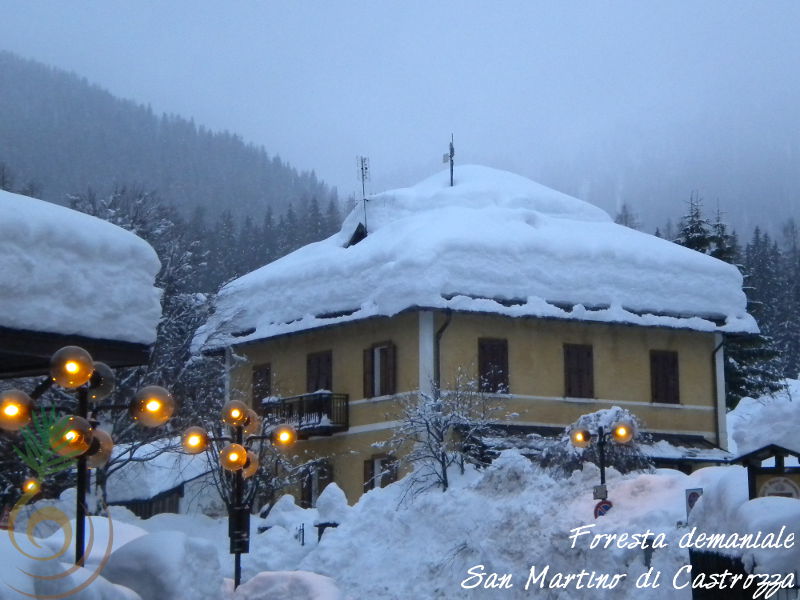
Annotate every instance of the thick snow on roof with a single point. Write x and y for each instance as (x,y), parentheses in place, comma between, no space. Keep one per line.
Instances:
(495,242)
(62,271)
(153,469)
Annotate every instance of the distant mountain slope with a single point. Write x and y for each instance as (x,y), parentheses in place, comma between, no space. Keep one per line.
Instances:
(64,134)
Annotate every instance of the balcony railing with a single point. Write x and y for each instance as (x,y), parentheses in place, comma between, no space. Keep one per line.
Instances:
(317,413)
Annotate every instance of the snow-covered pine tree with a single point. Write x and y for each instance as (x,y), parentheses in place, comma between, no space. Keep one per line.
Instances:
(694,230)
(752,366)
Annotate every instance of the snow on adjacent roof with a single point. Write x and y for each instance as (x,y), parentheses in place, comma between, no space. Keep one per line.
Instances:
(153,469)
(495,242)
(65,272)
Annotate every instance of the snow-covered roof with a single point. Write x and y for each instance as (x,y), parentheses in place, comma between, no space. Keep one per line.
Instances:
(495,242)
(69,273)
(153,469)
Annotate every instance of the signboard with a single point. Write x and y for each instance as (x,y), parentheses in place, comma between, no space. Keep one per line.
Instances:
(778,485)
(602,508)
(692,496)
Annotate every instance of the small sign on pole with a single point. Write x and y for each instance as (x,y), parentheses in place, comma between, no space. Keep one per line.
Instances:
(692,496)
(602,508)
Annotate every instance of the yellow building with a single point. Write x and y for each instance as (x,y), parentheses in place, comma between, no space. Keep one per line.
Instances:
(538,297)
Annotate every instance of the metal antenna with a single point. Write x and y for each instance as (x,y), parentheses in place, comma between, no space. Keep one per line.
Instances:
(363,173)
(449,157)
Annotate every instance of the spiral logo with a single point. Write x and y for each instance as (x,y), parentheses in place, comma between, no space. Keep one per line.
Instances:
(36,551)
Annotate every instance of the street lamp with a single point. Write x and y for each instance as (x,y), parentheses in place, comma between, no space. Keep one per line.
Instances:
(76,435)
(621,433)
(236,457)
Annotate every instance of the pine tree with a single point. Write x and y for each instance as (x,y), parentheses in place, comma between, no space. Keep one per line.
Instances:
(333,217)
(625,216)
(752,365)
(695,230)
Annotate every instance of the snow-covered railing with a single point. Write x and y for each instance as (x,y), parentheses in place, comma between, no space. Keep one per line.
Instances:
(317,413)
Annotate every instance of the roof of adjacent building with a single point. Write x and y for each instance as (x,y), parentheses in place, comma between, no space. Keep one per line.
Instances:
(67,273)
(495,242)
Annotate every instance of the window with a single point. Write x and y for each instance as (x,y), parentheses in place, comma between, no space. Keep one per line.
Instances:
(314,479)
(262,384)
(380,367)
(578,371)
(379,471)
(319,371)
(493,365)
(664,376)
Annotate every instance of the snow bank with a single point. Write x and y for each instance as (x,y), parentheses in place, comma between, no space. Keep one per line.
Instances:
(495,242)
(66,272)
(167,566)
(757,422)
(296,585)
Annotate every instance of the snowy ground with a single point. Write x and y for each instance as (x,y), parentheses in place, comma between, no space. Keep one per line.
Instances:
(508,518)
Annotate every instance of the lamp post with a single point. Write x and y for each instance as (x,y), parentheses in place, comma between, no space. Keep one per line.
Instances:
(621,433)
(236,457)
(76,435)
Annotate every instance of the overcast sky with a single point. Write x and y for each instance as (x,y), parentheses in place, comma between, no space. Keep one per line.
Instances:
(611,101)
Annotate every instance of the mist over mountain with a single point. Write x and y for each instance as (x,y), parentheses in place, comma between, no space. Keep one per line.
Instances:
(60,135)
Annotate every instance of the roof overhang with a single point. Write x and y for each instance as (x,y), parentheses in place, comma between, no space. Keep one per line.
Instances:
(25,353)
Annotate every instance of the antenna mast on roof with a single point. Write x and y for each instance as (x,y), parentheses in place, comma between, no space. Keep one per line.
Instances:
(362,163)
(449,157)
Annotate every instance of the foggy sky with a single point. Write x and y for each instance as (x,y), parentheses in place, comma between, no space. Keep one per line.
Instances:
(642,102)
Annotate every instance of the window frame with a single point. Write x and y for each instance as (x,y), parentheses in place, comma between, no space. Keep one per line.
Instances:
(380,381)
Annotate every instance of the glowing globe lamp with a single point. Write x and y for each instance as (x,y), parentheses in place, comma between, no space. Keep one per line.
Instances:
(580,438)
(233,457)
(194,440)
(100,451)
(71,367)
(152,406)
(284,435)
(234,413)
(622,432)
(71,436)
(251,466)
(101,384)
(15,410)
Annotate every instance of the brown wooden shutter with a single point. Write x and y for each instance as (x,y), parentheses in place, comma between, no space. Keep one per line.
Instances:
(369,392)
(325,474)
(369,475)
(493,365)
(578,371)
(319,371)
(311,372)
(327,379)
(664,381)
(391,369)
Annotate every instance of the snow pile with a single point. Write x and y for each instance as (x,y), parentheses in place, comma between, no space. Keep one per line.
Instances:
(167,565)
(495,242)
(153,468)
(332,505)
(757,422)
(66,272)
(296,585)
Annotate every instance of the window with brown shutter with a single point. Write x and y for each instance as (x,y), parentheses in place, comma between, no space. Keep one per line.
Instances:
(664,381)
(380,368)
(379,471)
(262,384)
(493,365)
(319,371)
(578,371)
(314,479)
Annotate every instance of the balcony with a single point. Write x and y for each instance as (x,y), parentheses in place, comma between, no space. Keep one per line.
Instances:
(317,413)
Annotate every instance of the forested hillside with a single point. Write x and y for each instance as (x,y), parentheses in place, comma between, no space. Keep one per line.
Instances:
(61,135)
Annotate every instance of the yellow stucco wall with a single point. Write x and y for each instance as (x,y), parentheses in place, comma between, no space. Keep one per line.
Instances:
(536,376)
(621,357)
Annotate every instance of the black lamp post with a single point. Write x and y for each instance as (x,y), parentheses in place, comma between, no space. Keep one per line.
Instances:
(76,435)
(621,433)
(236,457)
